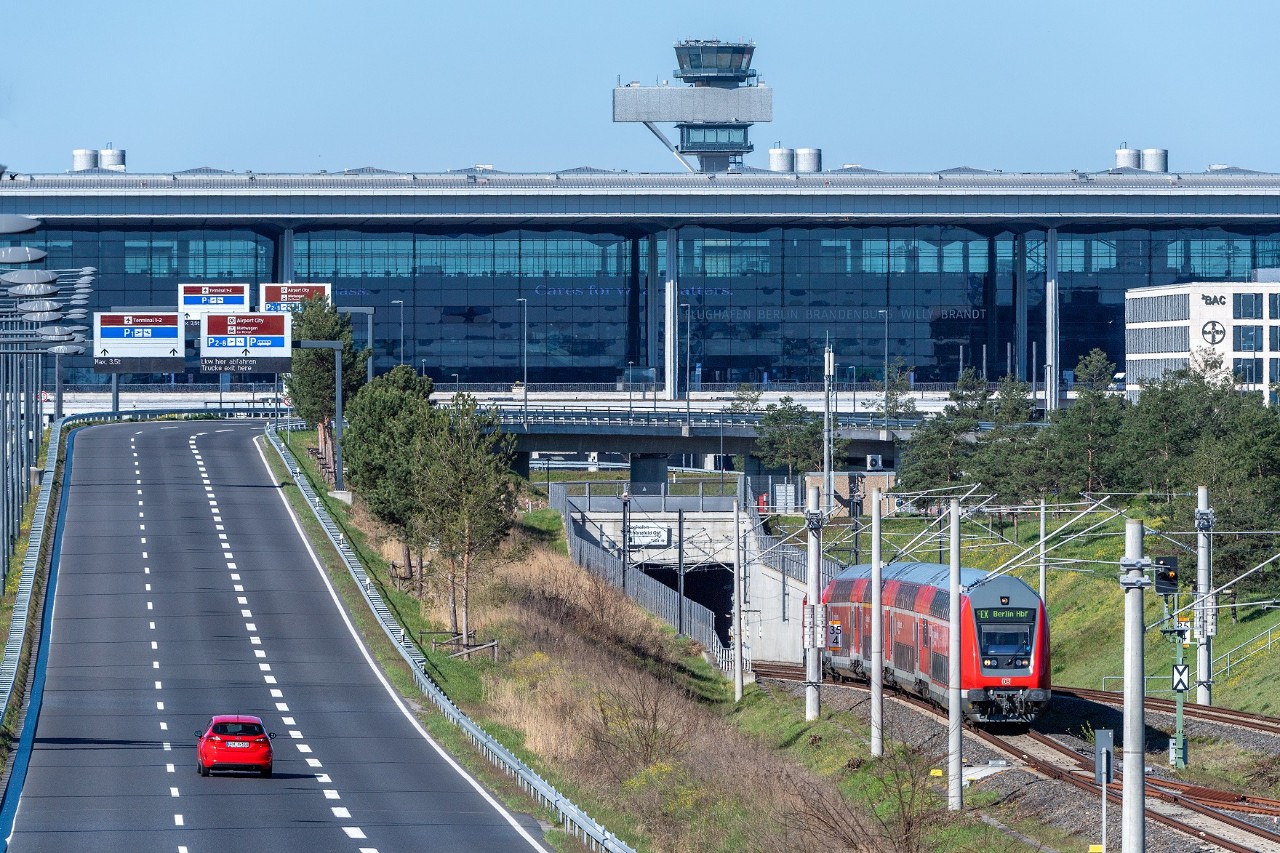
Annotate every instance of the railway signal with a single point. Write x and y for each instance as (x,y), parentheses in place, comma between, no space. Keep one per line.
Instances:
(1166,575)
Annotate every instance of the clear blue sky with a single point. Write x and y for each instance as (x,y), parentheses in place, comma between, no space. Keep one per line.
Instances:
(413,85)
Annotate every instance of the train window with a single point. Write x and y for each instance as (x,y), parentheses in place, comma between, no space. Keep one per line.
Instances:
(1004,639)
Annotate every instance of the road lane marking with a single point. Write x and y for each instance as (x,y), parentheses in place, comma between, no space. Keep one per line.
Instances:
(340,811)
(177,820)
(386,685)
(173,792)
(330,794)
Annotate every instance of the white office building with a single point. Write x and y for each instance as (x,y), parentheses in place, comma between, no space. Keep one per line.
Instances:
(1240,321)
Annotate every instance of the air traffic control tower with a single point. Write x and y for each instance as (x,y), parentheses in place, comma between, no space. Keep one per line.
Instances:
(713,113)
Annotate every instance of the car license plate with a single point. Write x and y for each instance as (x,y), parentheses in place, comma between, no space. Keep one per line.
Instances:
(237,743)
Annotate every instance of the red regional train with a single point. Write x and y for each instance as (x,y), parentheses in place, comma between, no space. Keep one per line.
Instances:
(1004,637)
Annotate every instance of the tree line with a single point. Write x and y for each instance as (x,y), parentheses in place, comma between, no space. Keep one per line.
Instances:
(438,478)
(1192,428)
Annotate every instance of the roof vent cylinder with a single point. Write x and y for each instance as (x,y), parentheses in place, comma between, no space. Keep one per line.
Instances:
(1155,159)
(808,159)
(1128,158)
(782,159)
(84,158)
(111,158)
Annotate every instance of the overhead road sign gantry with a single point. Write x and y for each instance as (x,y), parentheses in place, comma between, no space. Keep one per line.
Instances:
(196,300)
(246,343)
(286,297)
(138,342)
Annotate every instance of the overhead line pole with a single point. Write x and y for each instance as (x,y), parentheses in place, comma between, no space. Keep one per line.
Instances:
(1133,802)
(877,626)
(955,743)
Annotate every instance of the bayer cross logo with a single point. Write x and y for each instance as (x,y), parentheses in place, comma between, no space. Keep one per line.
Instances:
(1213,332)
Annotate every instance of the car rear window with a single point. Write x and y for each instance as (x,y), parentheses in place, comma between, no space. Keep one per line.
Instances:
(247,729)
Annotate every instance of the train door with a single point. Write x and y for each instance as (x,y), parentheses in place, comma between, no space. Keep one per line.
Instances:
(926,653)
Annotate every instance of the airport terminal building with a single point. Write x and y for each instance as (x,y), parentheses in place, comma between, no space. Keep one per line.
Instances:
(582,273)
(770,265)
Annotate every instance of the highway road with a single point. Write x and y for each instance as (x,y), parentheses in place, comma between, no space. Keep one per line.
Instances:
(186,589)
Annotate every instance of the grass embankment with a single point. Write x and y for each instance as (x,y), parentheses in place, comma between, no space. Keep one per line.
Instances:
(630,722)
(1086,614)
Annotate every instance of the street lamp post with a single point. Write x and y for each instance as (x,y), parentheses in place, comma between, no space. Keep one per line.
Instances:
(368,314)
(456,382)
(885,312)
(524,356)
(336,346)
(400,302)
(629,363)
(688,345)
(424,368)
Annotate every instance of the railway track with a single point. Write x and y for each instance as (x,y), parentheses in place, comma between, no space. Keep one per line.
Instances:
(1190,710)
(1189,809)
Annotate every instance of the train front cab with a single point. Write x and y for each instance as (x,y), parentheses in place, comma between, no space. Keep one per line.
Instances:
(1009,659)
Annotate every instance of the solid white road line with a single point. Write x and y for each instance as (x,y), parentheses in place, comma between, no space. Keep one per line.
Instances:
(377,673)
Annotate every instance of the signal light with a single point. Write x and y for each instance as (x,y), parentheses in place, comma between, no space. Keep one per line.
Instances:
(1166,575)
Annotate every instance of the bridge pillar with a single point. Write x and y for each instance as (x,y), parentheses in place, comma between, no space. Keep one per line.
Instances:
(520,464)
(648,473)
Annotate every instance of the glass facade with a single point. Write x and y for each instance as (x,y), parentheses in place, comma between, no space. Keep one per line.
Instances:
(762,301)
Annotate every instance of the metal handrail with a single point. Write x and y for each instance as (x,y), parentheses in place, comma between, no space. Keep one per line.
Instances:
(577,822)
(1260,643)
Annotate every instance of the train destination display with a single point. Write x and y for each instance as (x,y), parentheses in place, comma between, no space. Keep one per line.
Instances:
(138,342)
(246,343)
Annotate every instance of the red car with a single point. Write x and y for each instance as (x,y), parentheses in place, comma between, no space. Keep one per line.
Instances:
(234,742)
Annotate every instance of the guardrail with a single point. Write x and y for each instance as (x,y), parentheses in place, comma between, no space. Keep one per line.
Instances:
(577,822)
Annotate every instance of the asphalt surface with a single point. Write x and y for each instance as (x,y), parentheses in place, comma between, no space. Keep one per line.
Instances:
(184,590)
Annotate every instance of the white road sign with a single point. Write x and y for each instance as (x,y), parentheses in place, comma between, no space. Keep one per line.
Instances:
(246,343)
(138,342)
(286,297)
(196,300)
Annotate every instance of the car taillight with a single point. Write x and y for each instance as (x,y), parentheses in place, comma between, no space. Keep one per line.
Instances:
(215,739)
(259,740)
